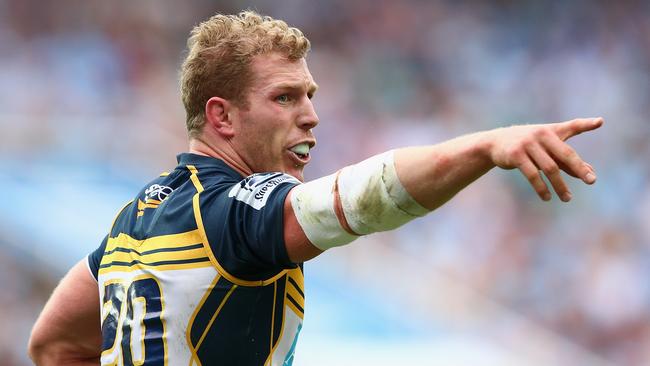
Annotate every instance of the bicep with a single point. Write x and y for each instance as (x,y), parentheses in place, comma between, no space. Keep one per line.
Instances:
(68,328)
(299,248)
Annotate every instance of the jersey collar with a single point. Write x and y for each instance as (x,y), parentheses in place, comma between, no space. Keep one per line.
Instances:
(202,161)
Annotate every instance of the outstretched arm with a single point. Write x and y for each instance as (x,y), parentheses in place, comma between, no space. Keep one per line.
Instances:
(427,177)
(68,330)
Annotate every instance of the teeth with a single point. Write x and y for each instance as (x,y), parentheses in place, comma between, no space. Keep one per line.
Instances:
(302,149)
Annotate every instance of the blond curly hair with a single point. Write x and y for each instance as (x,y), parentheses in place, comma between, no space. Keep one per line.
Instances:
(220,52)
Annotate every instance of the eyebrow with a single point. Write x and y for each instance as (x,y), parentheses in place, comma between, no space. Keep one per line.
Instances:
(313,87)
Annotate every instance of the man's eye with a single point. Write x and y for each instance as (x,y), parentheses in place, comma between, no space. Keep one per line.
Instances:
(284,98)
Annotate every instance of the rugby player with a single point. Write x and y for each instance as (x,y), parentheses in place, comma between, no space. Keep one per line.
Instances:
(204,265)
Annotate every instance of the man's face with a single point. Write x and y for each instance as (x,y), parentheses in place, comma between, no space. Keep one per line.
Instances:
(274,132)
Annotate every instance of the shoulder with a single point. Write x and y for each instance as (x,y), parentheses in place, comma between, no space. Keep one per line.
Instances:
(245,230)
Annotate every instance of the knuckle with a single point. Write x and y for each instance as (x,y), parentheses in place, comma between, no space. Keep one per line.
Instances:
(514,155)
(526,145)
(526,139)
(521,161)
(532,175)
(543,132)
(558,185)
(567,151)
(518,150)
(551,169)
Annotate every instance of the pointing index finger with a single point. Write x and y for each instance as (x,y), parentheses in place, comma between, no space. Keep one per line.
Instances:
(568,129)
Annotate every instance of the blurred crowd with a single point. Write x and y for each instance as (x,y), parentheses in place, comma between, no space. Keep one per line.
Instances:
(97,81)
(26,285)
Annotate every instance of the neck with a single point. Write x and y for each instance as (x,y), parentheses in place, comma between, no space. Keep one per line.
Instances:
(224,151)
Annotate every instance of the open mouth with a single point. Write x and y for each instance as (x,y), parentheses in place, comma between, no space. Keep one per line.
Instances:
(302,156)
(301,152)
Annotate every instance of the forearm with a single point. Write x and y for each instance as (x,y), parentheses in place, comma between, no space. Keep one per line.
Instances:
(434,174)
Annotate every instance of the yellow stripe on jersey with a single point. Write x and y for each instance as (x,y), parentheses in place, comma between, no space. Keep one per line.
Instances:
(296,284)
(296,309)
(156,242)
(295,293)
(166,252)
(296,297)
(128,255)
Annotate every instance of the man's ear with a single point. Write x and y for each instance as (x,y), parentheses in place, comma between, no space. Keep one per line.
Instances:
(218,116)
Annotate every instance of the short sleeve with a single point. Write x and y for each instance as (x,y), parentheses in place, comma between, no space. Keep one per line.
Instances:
(244,224)
(95,258)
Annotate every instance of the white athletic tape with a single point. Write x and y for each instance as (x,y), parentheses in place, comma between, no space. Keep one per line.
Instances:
(313,205)
(372,199)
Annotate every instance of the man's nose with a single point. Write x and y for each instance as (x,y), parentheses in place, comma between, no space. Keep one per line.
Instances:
(308,118)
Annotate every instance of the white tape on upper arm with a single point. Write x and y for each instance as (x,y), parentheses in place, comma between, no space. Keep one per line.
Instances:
(372,199)
(313,205)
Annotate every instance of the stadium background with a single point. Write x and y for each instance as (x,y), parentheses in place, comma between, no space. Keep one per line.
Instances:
(89,111)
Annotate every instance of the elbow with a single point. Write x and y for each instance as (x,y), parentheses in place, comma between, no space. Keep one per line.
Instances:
(47,350)
(37,349)
(42,351)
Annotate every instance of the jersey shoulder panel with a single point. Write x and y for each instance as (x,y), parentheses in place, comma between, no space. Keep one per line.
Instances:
(244,224)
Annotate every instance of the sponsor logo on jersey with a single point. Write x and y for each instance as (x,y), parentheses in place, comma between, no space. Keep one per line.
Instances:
(157,192)
(255,189)
(154,195)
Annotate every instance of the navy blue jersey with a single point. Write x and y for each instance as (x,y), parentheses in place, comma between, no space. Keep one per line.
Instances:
(195,271)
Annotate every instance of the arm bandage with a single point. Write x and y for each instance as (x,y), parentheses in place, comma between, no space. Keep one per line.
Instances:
(372,199)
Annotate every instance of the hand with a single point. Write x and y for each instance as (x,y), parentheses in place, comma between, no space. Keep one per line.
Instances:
(531,148)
